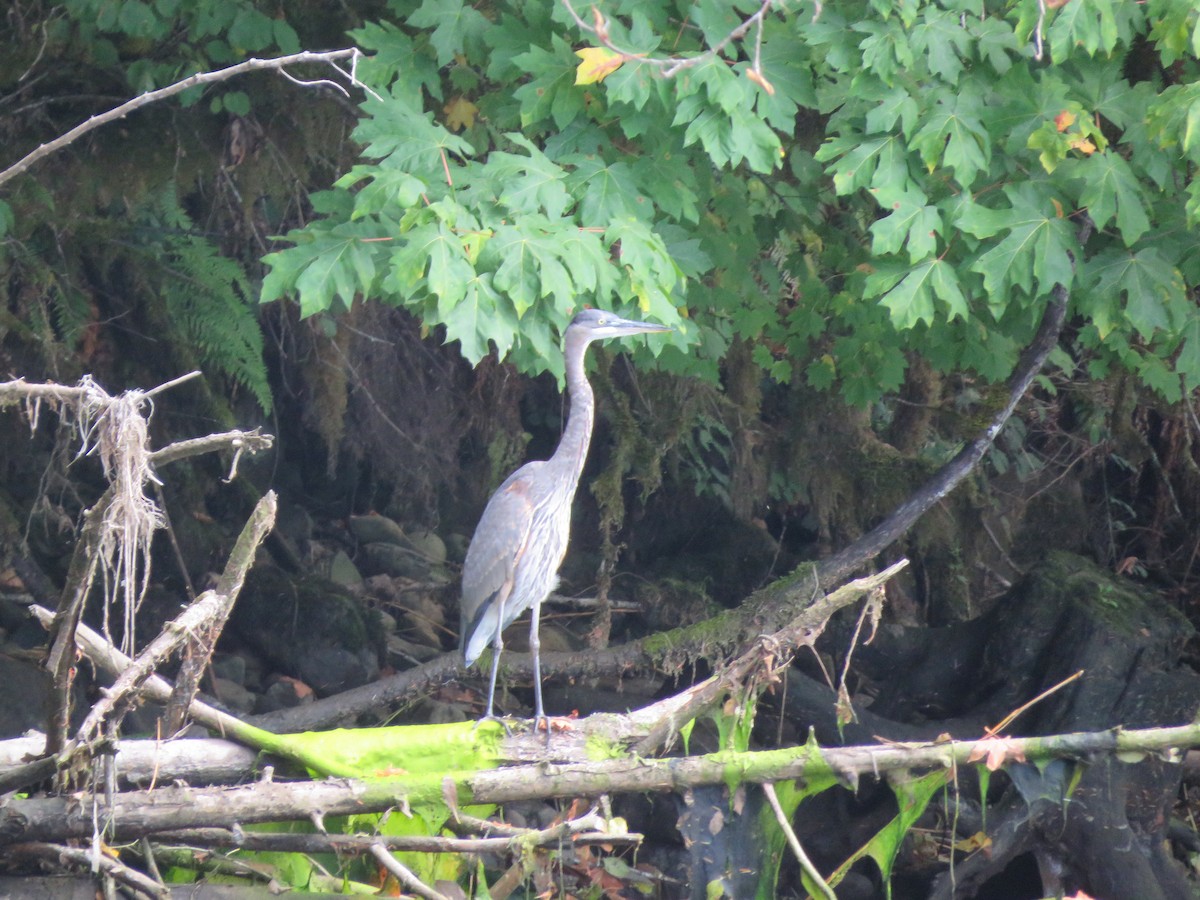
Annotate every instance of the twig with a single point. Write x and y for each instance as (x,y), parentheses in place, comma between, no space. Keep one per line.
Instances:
(1008,720)
(585,830)
(65,621)
(403,874)
(239,441)
(794,842)
(174,382)
(201,78)
(208,608)
(77,857)
(201,639)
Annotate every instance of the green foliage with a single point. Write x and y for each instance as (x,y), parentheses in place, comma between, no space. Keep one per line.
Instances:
(431,752)
(790,794)
(843,186)
(208,296)
(912,796)
(209,34)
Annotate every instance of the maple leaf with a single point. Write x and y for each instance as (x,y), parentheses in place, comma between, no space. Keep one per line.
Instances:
(998,751)
(460,113)
(1083,145)
(598,63)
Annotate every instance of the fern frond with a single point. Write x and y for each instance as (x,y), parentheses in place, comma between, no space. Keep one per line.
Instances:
(210,297)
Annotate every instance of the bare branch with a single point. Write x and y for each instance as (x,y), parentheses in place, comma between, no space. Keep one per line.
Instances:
(201,78)
(589,829)
(201,639)
(75,856)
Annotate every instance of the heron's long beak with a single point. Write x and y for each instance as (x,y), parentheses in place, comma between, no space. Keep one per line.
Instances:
(632,326)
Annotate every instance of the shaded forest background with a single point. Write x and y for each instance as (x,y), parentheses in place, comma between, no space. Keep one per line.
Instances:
(136,255)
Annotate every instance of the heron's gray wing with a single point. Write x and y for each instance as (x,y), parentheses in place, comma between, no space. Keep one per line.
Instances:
(500,540)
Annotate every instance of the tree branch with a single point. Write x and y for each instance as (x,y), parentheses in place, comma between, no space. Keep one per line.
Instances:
(137,814)
(201,78)
(85,859)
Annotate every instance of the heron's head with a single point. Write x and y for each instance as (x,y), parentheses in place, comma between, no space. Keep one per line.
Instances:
(596,323)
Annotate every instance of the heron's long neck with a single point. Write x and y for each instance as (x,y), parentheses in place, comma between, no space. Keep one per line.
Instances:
(572,450)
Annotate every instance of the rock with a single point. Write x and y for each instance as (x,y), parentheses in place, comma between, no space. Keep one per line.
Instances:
(284,693)
(456,546)
(24,696)
(428,546)
(401,653)
(330,670)
(229,667)
(233,696)
(295,523)
(309,628)
(343,571)
(394,560)
(387,622)
(441,713)
(376,529)
(424,618)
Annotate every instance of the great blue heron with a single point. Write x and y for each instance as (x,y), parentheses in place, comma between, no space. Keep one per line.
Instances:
(519,543)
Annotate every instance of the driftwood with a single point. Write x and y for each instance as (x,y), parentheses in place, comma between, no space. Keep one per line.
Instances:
(142,763)
(137,813)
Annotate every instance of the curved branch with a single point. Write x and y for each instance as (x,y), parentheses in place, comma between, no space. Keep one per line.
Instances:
(948,477)
(201,78)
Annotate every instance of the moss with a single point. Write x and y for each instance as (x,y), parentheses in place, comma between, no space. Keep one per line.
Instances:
(1121,605)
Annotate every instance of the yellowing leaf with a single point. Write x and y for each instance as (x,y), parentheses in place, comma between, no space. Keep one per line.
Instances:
(460,113)
(598,63)
(1064,120)
(978,841)
(1084,146)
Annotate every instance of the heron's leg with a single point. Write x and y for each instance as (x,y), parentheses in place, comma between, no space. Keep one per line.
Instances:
(497,646)
(539,711)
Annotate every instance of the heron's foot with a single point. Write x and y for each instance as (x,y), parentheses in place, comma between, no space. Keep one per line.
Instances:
(493,718)
(552,724)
